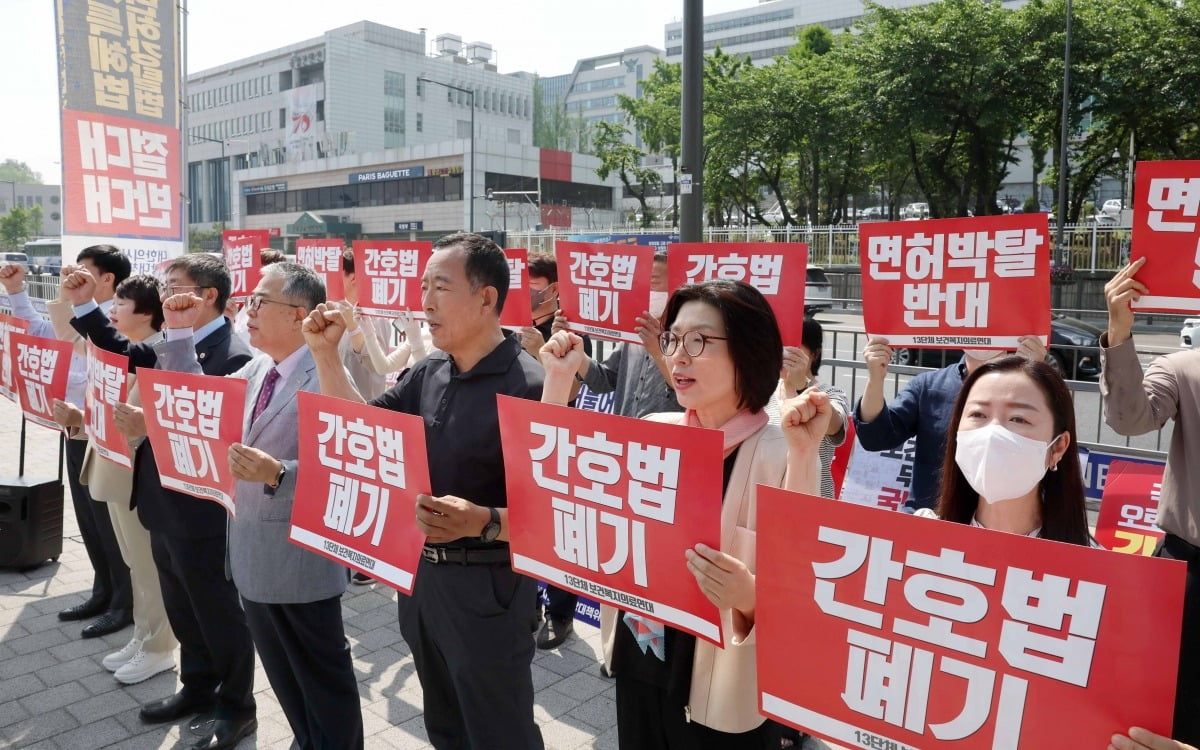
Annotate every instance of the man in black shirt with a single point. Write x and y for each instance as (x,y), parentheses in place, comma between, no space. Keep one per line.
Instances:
(467,621)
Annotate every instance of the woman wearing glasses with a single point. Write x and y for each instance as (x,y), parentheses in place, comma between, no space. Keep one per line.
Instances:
(724,353)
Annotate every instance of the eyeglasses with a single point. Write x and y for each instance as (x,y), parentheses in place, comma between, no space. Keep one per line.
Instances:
(181,289)
(256,301)
(693,342)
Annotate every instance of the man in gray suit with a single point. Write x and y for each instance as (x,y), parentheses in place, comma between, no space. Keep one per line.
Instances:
(291,596)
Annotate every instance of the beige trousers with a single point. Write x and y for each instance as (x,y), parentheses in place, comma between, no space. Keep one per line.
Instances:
(149,615)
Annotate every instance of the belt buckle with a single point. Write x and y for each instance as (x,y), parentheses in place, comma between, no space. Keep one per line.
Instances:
(431,554)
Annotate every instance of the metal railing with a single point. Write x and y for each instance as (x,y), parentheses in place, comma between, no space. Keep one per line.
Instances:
(1091,246)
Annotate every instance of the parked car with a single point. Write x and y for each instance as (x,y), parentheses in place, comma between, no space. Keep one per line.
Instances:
(1074,350)
(19,258)
(1112,208)
(915,211)
(818,292)
(1189,335)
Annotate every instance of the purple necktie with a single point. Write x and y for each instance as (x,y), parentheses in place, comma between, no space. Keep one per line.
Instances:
(264,396)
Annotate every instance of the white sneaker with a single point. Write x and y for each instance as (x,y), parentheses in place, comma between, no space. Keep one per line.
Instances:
(144,665)
(113,661)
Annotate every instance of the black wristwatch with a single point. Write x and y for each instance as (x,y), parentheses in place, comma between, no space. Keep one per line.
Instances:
(492,529)
(279,477)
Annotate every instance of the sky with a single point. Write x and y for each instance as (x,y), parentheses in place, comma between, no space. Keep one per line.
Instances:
(542,36)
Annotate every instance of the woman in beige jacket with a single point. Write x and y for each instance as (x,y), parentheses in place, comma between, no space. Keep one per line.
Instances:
(724,351)
(137,314)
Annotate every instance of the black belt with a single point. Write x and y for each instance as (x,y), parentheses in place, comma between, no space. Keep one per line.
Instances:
(465,555)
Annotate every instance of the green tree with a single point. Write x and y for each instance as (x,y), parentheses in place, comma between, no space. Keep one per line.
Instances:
(554,128)
(19,225)
(656,116)
(12,170)
(619,157)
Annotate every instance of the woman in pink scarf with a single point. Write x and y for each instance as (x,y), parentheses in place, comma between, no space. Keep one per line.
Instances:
(724,352)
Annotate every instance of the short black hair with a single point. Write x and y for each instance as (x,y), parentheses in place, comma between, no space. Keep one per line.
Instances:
(812,337)
(347,261)
(755,344)
(206,270)
(144,291)
(543,266)
(486,264)
(107,259)
(269,255)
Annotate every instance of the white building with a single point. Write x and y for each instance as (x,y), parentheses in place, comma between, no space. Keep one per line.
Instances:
(28,195)
(596,84)
(318,115)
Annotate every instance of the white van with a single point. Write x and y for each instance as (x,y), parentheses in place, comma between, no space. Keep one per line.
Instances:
(20,259)
(818,292)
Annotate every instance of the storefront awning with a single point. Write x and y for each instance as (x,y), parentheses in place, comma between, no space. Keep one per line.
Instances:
(309,223)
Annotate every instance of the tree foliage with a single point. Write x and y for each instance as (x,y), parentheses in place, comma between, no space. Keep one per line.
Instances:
(19,225)
(930,103)
(12,170)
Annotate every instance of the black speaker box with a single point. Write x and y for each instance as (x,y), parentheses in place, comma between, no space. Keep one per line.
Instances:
(31,521)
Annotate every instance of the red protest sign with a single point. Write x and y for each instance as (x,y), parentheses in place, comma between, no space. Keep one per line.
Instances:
(517,304)
(8,324)
(1129,508)
(388,276)
(108,385)
(39,370)
(880,479)
(241,248)
(191,420)
(324,257)
(592,507)
(126,175)
(1166,232)
(602,289)
(979,283)
(367,465)
(934,634)
(777,269)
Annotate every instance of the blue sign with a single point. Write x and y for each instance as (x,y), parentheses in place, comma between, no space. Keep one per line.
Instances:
(409,226)
(270,187)
(383,175)
(1095,470)
(656,241)
(586,610)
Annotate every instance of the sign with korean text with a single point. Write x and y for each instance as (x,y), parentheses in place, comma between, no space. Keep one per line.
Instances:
(777,269)
(979,283)
(600,505)
(602,289)
(388,276)
(119,73)
(8,324)
(39,371)
(517,305)
(241,249)
(191,420)
(1129,511)
(108,385)
(882,479)
(1166,232)
(324,257)
(935,634)
(366,466)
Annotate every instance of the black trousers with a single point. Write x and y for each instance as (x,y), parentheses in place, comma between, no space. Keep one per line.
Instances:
(561,603)
(1187,687)
(216,654)
(650,718)
(111,581)
(468,628)
(306,656)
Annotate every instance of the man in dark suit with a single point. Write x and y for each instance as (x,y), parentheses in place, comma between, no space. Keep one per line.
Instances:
(291,595)
(187,534)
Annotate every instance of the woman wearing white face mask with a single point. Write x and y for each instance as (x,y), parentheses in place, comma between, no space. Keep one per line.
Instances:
(1010,463)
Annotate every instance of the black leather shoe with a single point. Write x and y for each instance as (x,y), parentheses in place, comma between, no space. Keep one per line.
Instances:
(227,733)
(109,622)
(554,632)
(91,608)
(181,704)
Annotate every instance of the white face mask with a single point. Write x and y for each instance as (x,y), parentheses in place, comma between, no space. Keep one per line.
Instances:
(983,355)
(998,463)
(658,303)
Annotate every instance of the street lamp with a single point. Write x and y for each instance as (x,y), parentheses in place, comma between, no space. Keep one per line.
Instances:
(1116,155)
(1062,155)
(471,189)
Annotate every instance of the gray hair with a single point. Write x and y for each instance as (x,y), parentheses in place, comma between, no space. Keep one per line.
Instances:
(299,283)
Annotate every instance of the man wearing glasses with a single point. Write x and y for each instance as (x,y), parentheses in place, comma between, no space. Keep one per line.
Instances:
(291,595)
(187,534)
